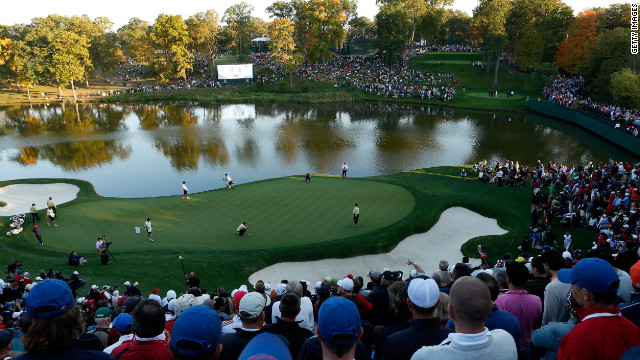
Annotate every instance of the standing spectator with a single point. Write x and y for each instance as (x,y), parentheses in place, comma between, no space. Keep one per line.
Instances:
(602,333)
(339,328)
(287,326)
(356,214)
(193,281)
(52,323)
(38,231)
(555,293)
(344,170)
(549,336)
(196,334)
(50,204)
(251,314)
(469,306)
(444,273)
(305,318)
(123,324)
(185,191)
(526,307)
(149,228)
(34,213)
(423,329)
(150,341)
(540,280)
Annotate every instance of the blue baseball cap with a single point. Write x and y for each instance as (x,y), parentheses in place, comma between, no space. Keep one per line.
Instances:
(123,322)
(199,324)
(265,346)
(339,321)
(49,298)
(593,274)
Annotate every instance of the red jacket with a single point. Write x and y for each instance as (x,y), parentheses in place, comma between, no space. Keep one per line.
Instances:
(600,337)
(143,350)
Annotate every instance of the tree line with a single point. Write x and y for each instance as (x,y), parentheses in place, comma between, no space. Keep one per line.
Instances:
(539,36)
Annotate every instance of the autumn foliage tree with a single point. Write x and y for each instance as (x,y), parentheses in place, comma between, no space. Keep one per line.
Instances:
(282,47)
(325,18)
(574,51)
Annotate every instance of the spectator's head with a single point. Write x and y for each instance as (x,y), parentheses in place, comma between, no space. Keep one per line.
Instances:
(294,287)
(183,302)
(594,282)
(265,346)
(459,271)
(389,277)
(102,317)
(398,292)
(52,321)
(469,303)
(196,334)
(123,323)
(552,260)
(442,309)
(492,283)
(517,275)
(634,273)
(347,285)
(375,276)
(251,309)
(537,267)
(423,298)
(465,259)
(339,327)
(289,306)
(148,319)
(259,286)
(6,340)
(444,265)
(438,279)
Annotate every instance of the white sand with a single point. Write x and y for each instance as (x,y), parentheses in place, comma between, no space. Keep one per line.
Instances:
(19,197)
(441,242)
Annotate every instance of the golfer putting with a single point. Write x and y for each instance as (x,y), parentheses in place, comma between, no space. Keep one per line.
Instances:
(242,228)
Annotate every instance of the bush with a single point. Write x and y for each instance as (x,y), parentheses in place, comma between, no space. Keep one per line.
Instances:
(259,86)
(3,204)
(282,87)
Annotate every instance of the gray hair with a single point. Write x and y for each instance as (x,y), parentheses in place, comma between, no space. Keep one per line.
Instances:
(294,287)
(444,264)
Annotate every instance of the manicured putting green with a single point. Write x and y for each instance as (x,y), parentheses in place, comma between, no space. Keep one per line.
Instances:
(280,212)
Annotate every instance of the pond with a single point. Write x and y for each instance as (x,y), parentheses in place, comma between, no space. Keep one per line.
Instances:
(139,150)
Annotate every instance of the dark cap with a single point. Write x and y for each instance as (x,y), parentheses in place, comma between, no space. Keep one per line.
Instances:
(6,337)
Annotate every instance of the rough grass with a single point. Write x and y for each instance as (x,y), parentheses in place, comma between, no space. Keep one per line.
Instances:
(315,226)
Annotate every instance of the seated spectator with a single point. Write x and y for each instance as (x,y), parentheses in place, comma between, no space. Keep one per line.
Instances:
(76,260)
(287,326)
(602,333)
(52,323)
(196,334)
(123,324)
(470,304)
(424,329)
(150,341)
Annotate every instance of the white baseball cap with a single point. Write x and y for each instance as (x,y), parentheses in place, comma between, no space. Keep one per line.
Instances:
(424,293)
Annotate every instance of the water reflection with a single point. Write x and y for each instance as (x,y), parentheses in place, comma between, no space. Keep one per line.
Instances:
(172,142)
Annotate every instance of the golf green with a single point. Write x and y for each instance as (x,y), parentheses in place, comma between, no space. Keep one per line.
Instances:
(281,213)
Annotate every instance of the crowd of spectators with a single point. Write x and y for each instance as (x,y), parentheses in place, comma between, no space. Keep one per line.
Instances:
(566,91)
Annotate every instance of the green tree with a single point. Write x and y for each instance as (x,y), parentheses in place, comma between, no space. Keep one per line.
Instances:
(529,47)
(429,12)
(490,17)
(544,74)
(171,59)
(15,67)
(456,28)
(360,26)
(283,48)
(616,15)
(625,87)
(326,23)
(608,54)
(239,20)
(393,28)
(106,52)
(203,30)
(135,40)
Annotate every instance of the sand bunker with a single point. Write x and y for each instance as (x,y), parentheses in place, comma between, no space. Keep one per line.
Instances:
(442,242)
(19,197)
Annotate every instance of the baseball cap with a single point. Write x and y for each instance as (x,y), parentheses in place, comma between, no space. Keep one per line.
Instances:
(392,275)
(103,313)
(76,273)
(171,294)
(130,303)
(634,273)
(567,255)
(50,298)
(423,293)
(593,274)
(252,305)
(183,302)
(339,321)
(155,291)
(265,346)
(127,283)
(123,322)
(237,297)
(6,337)
(346,284)
(199,324)
(280,289)
(375,274)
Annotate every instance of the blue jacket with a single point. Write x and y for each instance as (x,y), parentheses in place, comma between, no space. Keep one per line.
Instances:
(550,335)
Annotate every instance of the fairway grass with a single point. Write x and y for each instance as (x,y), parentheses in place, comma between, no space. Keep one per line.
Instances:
(290,220)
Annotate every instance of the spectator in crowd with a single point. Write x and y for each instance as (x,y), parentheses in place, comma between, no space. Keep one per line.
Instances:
(602,333)
(549,336)
(196,334)
(469,305)
(52,323)
(103,320)
(265,346)
(6,342)
(424,329)
(339,328)
(123,324)
(305,317)
(539,282)
(287,326)
(631,310)
(555,293)
(443,272)
(193,281)
(251,313)
(526,307)
(150,340)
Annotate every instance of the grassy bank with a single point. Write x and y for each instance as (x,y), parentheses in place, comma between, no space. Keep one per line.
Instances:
(289,221)
(476,81)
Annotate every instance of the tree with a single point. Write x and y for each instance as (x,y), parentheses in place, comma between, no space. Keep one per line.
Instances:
(203,30)
(281,10)
(427,11)
(608,54)
(625,86)
(360,26)
(239,20)
(134,37)
(490,17)
(529,47)
(106,52)
(326,19)
(282,46)
(393,28)
(171,58)
(14,65)
(544,74)
(456,28)
(574,50)
(616,15)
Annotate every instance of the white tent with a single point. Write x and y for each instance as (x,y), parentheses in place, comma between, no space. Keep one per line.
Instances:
(261,39)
